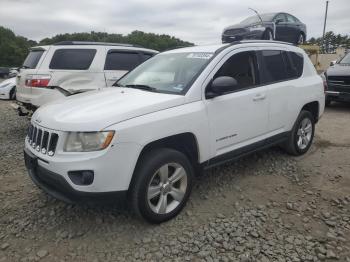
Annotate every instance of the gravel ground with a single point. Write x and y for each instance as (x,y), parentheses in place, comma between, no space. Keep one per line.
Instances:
(265,207)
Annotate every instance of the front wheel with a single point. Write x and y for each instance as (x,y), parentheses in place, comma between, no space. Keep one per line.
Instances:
(301,39)
(301,135)
(328,101)
(268,35)
(162,184)
(13,94)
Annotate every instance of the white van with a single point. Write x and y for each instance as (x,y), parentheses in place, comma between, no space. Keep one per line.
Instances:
(52,72)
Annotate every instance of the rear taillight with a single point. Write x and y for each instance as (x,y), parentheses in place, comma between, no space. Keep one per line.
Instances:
(325,84)
(37,80)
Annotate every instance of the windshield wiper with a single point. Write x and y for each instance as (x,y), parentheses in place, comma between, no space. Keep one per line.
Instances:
(143,87)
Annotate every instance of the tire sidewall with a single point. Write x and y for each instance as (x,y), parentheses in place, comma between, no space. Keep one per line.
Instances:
(300,35)
(144,173)
(302,116)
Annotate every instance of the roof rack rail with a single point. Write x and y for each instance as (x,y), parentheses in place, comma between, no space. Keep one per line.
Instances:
(94,43)
(259,41)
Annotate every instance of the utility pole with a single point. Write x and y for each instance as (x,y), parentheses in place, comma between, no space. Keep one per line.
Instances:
(324,25)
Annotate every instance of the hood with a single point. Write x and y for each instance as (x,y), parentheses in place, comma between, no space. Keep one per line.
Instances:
(96,110)
(339,70)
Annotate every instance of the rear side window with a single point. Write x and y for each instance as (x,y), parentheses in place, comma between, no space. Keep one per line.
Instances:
(274,66)
(32,59)
(72,59)
(125,61)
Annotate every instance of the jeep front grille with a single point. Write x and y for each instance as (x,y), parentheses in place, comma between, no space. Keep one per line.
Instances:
(42,140)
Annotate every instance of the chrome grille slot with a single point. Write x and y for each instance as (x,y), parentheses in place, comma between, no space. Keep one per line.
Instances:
(42,140)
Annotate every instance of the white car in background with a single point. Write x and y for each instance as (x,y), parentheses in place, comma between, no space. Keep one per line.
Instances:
(70,67)
(8,89)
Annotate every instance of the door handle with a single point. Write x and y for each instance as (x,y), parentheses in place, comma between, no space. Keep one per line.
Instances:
(259,97)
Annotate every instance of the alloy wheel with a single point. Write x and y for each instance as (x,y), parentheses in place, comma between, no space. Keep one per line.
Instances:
(304,133)
(167,188)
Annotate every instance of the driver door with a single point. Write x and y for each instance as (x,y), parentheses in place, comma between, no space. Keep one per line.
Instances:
(239,118)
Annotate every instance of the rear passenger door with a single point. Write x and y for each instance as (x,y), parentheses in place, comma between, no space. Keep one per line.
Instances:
(281,70)
(120,62)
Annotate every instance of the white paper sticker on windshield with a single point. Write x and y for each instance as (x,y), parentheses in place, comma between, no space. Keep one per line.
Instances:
(201,55)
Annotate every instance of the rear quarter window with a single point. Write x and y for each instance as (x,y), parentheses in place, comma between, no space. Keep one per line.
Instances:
(72,59)
(32,59)
(121,60)
(297,60)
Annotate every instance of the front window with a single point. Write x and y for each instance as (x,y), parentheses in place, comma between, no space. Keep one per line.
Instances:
(167,73)
(345,60)
(256,19)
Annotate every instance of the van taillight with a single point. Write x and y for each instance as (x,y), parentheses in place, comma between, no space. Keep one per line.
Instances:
(37,80)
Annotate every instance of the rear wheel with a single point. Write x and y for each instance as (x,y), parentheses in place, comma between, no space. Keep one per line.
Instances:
(302,134)
(162,185)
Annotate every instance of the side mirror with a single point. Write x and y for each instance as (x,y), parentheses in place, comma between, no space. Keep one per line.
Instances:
(221,85)
(332,63)
(278,21)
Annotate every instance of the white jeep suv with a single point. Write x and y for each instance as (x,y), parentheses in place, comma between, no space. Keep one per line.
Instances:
(69,67)
(179,112)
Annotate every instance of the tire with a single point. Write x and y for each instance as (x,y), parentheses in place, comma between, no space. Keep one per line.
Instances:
(154,177)
(13,94)
(302,134)
(300,39)
(328,102)
(268,35)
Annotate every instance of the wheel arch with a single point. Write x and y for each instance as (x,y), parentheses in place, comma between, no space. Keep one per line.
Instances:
(185,143)
(313,108)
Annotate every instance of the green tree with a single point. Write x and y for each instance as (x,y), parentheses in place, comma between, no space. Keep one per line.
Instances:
(13,49)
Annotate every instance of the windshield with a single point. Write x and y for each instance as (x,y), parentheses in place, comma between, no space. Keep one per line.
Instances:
(345,60)
(33,59)
(168,73)
(256,19)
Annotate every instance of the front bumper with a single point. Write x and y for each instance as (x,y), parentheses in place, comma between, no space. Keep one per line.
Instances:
(113,167)
(338,96)
(244,34)
(56,186)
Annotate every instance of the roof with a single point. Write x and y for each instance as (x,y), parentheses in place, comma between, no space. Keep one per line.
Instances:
(87,43)
(219,47)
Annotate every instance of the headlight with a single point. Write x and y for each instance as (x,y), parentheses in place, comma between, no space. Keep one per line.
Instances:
(88,141)
(256,28)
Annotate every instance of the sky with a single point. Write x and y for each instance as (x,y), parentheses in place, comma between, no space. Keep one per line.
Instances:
(197,21)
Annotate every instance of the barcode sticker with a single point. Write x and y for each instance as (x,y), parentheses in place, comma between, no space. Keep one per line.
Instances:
(200,55)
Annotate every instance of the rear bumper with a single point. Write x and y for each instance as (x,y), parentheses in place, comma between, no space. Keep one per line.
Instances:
(39,96)
(57,186)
